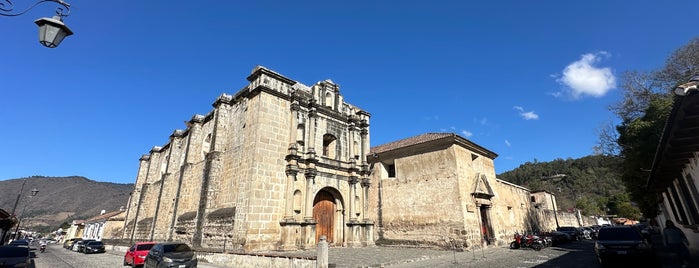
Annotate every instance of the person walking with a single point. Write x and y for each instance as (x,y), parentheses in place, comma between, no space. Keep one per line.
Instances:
(676,241)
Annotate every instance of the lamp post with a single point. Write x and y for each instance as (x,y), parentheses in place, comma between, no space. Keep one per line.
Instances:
(34,192)
(51,30)
(14,208)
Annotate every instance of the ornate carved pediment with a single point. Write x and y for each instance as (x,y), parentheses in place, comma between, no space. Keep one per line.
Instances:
(482,188)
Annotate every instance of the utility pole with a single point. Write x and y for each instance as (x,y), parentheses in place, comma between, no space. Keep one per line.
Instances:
(12,214)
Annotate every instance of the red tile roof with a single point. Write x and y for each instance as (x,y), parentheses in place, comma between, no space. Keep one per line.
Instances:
(431,137)
(427,137)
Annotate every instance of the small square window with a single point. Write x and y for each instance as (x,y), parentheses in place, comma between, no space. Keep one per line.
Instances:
(391,171)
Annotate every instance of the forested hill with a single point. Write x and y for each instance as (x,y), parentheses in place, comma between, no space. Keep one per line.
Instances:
(593,181)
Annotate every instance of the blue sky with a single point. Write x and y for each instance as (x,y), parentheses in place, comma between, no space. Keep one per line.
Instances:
(525,79)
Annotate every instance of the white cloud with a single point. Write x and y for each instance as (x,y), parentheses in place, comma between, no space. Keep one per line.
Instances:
(508,143)
(466,133)
(582,77)
(530,115)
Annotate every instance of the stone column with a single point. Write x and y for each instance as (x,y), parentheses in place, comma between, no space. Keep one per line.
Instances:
(289,225)
(292,167)
(292,170)
(365,145)
(312,120)
(322,253)
(350,143)
(309,224)
(365,198)
(310,174)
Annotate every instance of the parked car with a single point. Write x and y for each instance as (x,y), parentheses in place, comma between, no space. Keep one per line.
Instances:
(558,238)
(73,245)
(571,231)
(93,247)
(19,243)
(68,244)
(171,254)
(622,243)
(80,246)
(136,254)
(15,256)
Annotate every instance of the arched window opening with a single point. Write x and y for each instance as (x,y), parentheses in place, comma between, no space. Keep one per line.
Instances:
(206,145)
(355,148)
(329,100)
(163,165)
(329,144)
(300,134)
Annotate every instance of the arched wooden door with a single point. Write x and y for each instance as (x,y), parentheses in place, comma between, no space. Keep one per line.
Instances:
(324,215)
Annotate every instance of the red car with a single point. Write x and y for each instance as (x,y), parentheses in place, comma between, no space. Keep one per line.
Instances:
(136,254)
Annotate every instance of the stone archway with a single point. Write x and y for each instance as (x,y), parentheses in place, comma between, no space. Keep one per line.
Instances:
(328,214)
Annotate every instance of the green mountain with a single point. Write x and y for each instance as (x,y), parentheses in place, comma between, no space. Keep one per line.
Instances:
(592,183)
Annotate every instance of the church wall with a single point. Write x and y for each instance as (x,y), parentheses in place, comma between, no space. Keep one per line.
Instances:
(268,146)
(153,181)
(133,207)
(175,153)
(190,188)
(468,170)
(224,183)
(421,204)
(510,211)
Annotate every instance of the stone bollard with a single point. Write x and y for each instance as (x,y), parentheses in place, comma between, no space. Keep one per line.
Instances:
(322,258)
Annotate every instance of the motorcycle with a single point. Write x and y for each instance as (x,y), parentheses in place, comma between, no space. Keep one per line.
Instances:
(526,241)
(42,248)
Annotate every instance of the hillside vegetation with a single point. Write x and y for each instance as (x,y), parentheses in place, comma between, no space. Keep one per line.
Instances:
(594,182)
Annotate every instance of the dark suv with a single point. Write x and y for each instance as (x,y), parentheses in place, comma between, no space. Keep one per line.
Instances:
(171,254)
(572,232)
(622,243)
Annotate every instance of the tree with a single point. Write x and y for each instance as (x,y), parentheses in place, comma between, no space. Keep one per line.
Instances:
(643,110)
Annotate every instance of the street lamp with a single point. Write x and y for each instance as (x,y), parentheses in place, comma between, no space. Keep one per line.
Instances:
(34,192)
(51,30)
(14,208)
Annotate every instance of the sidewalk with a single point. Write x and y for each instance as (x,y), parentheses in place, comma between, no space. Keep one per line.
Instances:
(667,258)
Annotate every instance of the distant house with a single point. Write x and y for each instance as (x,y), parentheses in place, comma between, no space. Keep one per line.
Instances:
(107,225)
(75,230)
(675,172)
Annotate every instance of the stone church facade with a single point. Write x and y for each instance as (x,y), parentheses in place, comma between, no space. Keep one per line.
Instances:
(273,167)
(280,164)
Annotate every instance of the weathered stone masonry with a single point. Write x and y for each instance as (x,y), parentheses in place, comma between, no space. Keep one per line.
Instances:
(273,167)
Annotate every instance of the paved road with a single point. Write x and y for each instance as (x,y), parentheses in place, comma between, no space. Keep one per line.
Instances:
(58,257)
(571,255)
